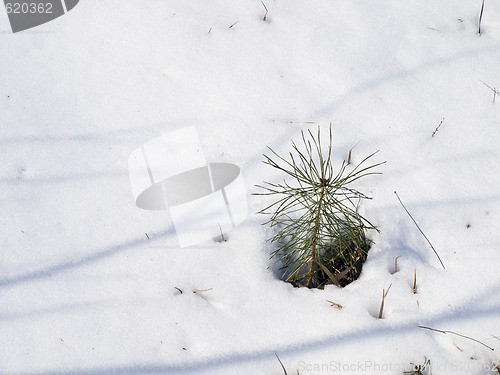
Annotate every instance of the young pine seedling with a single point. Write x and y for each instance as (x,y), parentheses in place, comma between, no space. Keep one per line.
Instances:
(320,236)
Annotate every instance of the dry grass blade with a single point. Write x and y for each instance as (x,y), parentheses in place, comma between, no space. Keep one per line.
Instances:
(415,282)
(384,294)
(480,18)
(423,234)
(284,370)
(396,263)
(296,271)
(221,233)
(332,278)
(349,156)
(457,334)
(201,290)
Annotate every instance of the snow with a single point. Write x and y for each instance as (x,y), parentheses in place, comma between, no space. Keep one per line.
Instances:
(84,291)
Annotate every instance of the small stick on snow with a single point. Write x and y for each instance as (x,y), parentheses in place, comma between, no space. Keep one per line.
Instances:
(180,291)
(233,24)
(458,334)
(411,217)
(334,304)
(147,236)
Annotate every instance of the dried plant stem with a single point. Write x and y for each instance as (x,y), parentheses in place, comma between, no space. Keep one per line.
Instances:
(396,263)
(384,294)
(458,334)
(411,217)
(480,18)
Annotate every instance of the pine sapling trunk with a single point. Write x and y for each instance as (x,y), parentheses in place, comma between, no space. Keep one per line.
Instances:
(315,233)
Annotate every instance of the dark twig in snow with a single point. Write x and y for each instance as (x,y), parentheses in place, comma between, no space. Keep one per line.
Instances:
(411,217)
(435,131)
(495,91)
(458,334)
(265,15)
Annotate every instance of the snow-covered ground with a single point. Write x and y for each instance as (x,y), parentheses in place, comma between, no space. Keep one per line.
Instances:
(84,291)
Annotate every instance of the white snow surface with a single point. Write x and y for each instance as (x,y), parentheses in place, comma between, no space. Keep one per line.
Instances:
(84,291)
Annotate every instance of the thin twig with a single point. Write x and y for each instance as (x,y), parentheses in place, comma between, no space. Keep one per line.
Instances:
(147,236)
(180,291)
(435,131)
(458,334)
(234,24)
(495,91)
(265,15)
(435,252)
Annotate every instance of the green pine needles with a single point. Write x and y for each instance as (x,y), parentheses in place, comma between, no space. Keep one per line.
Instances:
(319,233)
